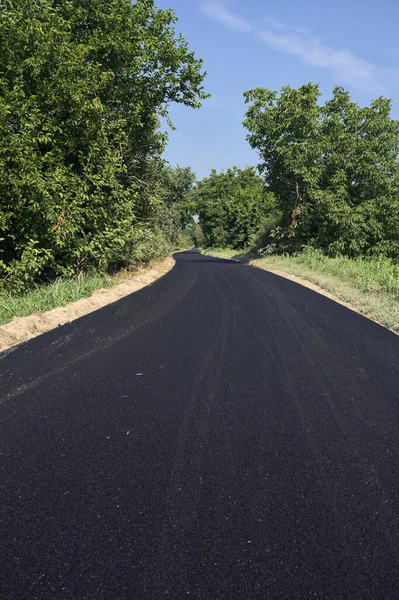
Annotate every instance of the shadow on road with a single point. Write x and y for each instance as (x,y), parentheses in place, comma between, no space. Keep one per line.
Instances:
(195,255)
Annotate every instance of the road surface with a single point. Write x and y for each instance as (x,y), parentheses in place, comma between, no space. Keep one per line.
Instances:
(224,433)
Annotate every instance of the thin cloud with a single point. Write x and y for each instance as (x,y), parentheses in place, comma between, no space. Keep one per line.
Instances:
(219,12)
(275,24)
(345,66)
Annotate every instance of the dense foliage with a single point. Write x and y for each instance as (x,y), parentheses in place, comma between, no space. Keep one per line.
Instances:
(83,85)
(333,169)
(231,206)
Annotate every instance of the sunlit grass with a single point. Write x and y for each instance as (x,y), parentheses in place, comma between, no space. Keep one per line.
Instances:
(46,297)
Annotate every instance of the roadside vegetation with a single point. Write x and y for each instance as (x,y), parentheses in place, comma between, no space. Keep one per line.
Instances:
(45,297)
(83,186)
(84,190)
(330,179)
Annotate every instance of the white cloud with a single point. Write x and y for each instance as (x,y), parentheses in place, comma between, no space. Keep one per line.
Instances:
(275,24)
(347,68)
(219,12)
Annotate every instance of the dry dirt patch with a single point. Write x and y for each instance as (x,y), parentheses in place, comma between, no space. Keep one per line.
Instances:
(20,329)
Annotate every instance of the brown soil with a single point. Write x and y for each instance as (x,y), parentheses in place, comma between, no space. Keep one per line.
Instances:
(21,329)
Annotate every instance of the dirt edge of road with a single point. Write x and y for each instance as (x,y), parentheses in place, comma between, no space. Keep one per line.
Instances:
(21,329)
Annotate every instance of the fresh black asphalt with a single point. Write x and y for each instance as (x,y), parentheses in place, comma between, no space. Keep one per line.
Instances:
(223,433)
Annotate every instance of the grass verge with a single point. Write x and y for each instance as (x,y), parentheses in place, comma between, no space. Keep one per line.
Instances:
(370,287)
(45,297)
(62,292)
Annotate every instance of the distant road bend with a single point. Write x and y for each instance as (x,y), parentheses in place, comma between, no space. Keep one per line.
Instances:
(221,434)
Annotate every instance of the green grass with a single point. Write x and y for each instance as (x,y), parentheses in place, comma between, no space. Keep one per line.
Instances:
(46,297)
(370,286)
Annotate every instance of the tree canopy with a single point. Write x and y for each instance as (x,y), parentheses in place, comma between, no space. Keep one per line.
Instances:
(83,85)
(231,205)
(333,168)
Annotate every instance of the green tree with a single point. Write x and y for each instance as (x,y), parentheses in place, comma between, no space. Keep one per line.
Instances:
(231,206)
(333,168)
(174,191)
(357,207)
(83,85)
(284,130)
(197,235)
(177,185)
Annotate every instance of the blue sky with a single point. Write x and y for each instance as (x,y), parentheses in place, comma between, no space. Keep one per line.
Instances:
(250,43)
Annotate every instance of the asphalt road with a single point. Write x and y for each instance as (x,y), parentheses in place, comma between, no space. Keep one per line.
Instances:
(224,433)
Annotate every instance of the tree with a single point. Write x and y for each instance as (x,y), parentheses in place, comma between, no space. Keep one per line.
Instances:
(284,130)
(333,168)
(358,204)
(176,208)
(197,235)
(178,185)
(231,206)
(83,85)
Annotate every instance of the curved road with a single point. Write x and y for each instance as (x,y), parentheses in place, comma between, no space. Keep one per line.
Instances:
(224,433)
